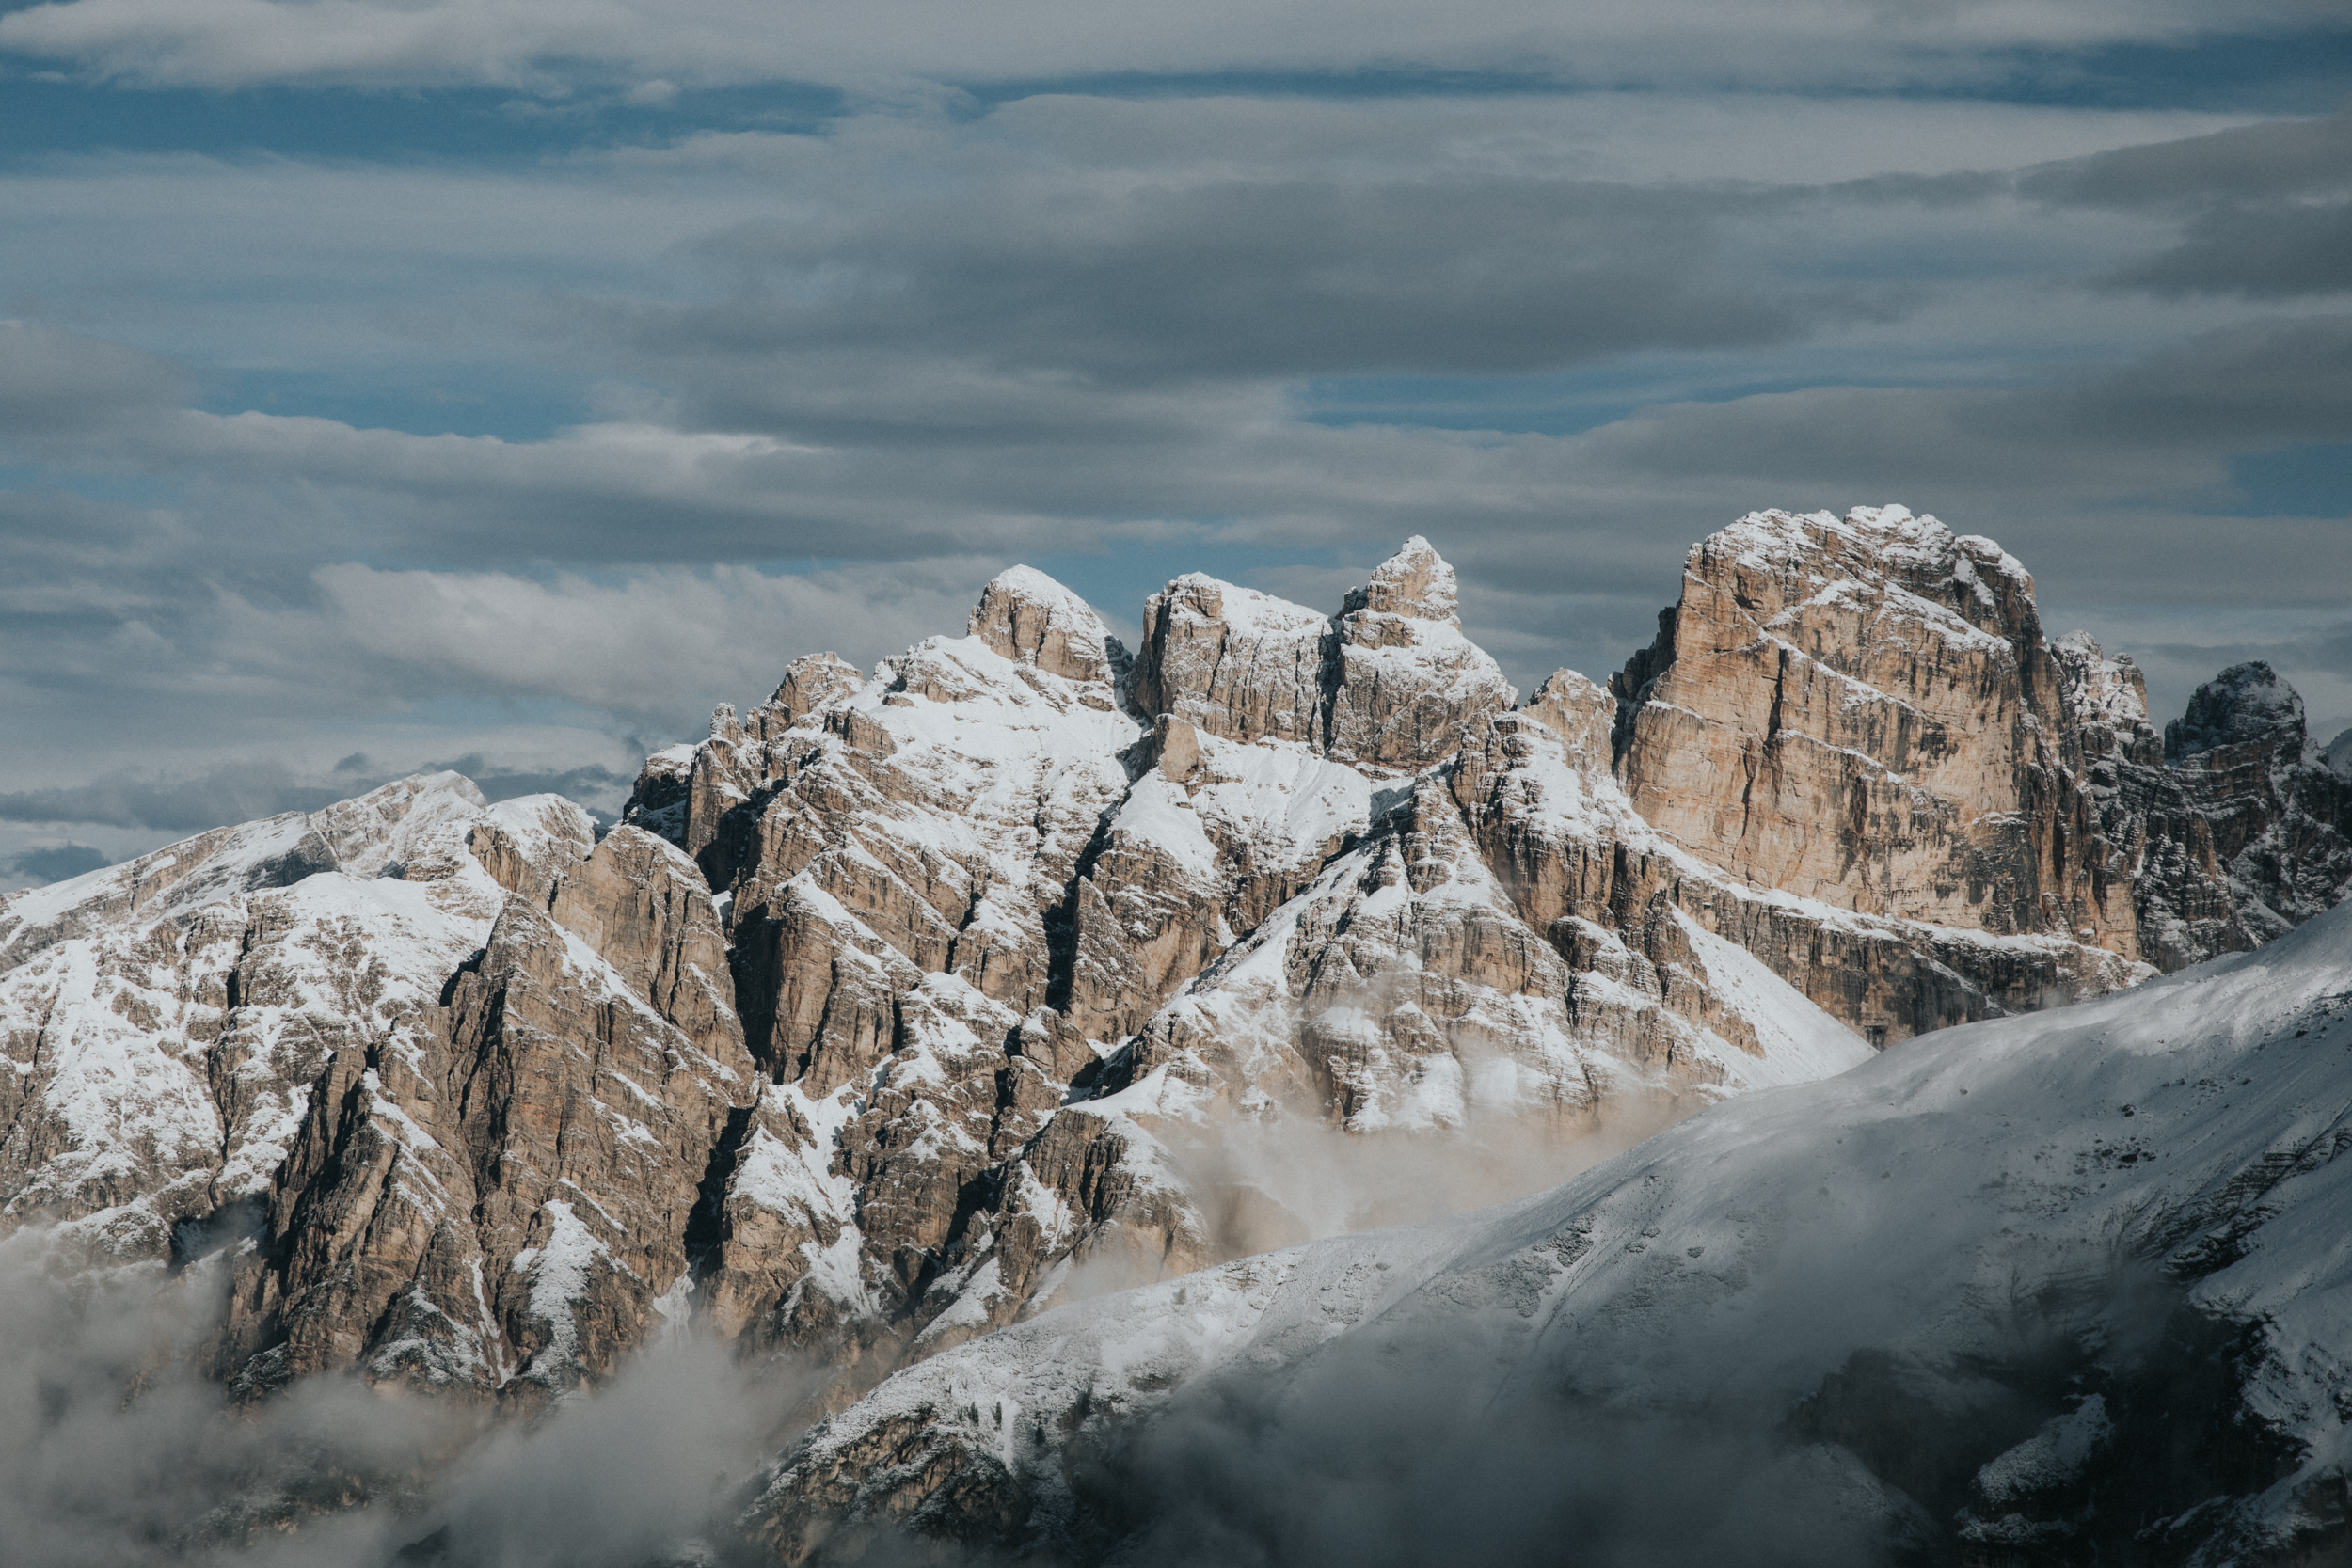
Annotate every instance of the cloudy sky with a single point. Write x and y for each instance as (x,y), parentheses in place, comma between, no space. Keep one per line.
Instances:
(387,383)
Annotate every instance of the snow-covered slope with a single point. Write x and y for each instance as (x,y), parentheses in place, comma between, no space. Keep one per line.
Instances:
(161,1021)
(2078,1282)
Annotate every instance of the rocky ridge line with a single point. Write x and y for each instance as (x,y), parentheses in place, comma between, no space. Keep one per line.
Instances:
(903,1001)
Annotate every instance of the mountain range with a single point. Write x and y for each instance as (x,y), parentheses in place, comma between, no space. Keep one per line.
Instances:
(1031,1033)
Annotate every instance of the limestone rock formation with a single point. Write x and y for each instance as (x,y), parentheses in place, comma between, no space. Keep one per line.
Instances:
(1390,684)
(529,846)
(162,1021)
(1864,711)
(473,1142)
(2238,827)
(905,1004)
(497,1200)
(1012,916)
(1406,686)
(1234,662)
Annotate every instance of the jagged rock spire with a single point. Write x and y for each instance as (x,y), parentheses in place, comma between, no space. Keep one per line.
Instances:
(1405,686)
(1416,581)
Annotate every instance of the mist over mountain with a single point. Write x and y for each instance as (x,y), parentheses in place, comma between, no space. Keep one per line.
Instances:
(1050,783)
(425,1178)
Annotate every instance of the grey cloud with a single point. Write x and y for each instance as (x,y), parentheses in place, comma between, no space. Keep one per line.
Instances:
(52,865)
(2276,251)
(2255,204)
(2277,158)
(1057,356)
(238,793)
(245,792)
(57,383)
(1248,279)
(2167,422)
(548,44)
(595,494)
(594,785)
(643,647)
(2262,384)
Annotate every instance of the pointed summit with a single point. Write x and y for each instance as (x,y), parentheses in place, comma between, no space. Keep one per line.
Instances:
(1414,582)
(1031,619)
(1407,684)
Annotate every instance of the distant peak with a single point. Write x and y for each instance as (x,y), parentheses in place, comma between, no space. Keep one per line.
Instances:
(2245,703)
(1415,582)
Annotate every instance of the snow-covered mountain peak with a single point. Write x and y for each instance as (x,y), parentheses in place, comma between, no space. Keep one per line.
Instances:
(1028,617)
(1874,546)
(906,1005)
(415,828)
(2107,688)
(1416,583)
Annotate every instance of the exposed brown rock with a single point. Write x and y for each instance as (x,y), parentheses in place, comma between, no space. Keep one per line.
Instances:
(496,1198)
(1031,619)
(809,683)
(1389,684)
(902,1001)
(644,909)
(530,845)
(162,1021)
(1863,711)
(2232,825)
(1232,662)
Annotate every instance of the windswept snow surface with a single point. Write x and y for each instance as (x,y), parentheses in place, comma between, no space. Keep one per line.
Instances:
(1963,1266)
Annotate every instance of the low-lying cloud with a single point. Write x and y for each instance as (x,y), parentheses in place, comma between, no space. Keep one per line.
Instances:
(116,1453)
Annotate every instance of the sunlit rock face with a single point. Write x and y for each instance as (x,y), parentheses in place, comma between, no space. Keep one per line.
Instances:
(1020,921)
(909,1002)
(1864,711)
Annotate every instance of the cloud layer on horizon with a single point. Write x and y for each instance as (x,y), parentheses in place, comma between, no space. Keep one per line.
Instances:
(548,44)
(308,456)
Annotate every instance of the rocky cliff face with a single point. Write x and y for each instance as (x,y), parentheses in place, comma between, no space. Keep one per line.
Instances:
(471,1130)
(1018,924)
(908,1003)
(497,1195)
(2236,825)
(1864,711)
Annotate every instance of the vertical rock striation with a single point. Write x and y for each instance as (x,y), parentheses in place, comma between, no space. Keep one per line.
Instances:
(1864,711)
